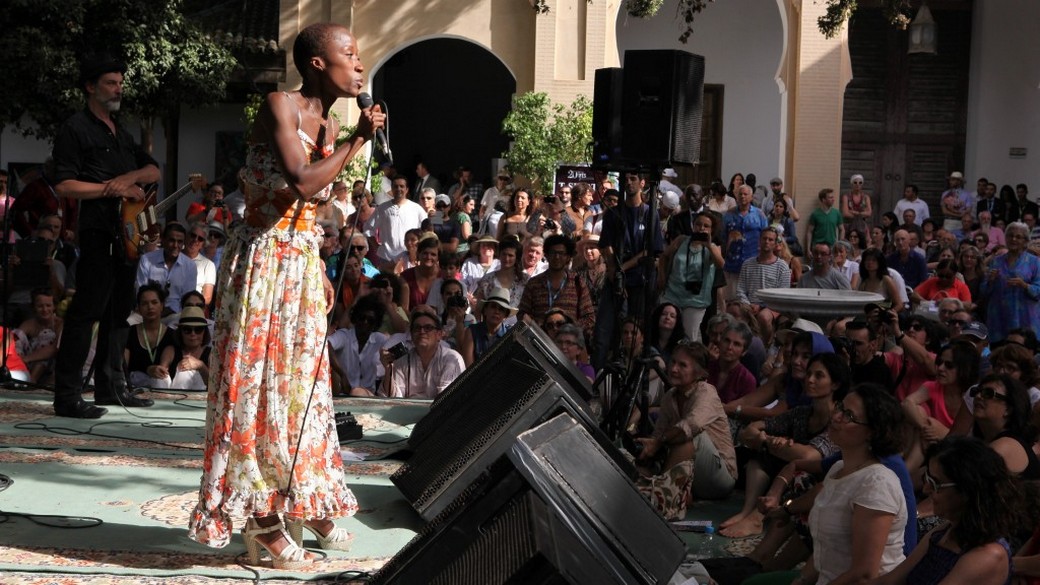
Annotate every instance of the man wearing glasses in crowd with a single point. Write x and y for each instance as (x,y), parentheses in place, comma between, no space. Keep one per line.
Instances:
(425,370)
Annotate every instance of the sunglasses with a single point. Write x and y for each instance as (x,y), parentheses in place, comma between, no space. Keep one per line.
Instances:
(957,322)
(198,238)
(935,485)
(424,328)
(916,327)
(986,393)
(847,415)
(193,330)
(948,364)
(554,324)
(358,248)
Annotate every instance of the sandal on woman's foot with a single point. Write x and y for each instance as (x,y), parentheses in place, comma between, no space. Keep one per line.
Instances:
(337,539)
(291,558)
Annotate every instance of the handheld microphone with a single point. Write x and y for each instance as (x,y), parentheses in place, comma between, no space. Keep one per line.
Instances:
(364,101)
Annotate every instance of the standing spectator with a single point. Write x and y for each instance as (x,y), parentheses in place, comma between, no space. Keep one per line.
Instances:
(1019,204)
(169,268)
(341,203)
(994,234)
(479,264)
(623,242)
(509,275)
(874,277)
(444,224)
(424,278)
(856,209)
(534,262)
(825,222)
(211,208)
(580,208)
(776,193)
(720,201)
(392,219)
(461,213)
(39,199)
(514,221)
(363,213)
(495,195)
(911,201)
(1012,286)
(425,180)
(466,185)
(987,200)
(594,223)
(687,272)
(593,272)
(843,263)
(741,226)
(681,224)
(778,217)
(955,201)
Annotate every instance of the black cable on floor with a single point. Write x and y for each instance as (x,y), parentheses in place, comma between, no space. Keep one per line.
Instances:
(89,522)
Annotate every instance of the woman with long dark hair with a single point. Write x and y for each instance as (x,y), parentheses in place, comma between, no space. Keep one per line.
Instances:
(971,488)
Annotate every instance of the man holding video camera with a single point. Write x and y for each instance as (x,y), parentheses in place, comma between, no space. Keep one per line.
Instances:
(425,370)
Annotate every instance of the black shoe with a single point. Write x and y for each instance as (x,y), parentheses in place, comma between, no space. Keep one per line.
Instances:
(124,398)
(79,409)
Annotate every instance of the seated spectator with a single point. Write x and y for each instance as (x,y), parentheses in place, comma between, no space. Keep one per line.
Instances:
(932,408)
(206,270)
(509,275)
(148,339)
(857,521)
(427,368)
(185,364)
(169,268)
(558,287)
(214,249)
(798,433)
(665,331)
(34,265)
(729,377)
(842,262)
(479,265)
(451,304)
(354,350)
(912,363)
(444,224)
(353,287)
(424,278)
(15,366)
(822,274)
(391,292)
(867,363)
(692,436)
(971,487)
(571,342)
(874,277)
(37,337)
(477,339)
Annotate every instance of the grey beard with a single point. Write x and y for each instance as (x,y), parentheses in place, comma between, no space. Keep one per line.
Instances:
(113,105)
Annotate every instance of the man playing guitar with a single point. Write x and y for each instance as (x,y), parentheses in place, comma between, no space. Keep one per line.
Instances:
(97,162)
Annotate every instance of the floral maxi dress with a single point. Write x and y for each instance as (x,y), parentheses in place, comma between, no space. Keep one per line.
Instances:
(266,452)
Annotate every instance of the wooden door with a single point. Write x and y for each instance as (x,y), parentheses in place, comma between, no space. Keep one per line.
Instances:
(905,115)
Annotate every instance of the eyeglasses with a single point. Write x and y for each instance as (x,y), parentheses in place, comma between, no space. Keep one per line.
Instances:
(358,248)
(423,328)
(957,322)
(918,326)
(198,238)
(986,393)
(1006,368)
(554,324)
(193,330)
(847,415)
(948,364)
(935,485)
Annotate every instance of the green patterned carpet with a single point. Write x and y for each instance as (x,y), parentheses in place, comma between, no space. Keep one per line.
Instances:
(138,472)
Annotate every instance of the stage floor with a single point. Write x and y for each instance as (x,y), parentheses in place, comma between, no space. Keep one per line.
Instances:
(107,501)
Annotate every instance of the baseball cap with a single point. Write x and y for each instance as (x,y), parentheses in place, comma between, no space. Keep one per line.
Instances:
(798,326)
(976,329)
(956,175)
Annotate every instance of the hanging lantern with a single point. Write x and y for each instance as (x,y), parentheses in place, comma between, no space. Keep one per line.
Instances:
(922,32)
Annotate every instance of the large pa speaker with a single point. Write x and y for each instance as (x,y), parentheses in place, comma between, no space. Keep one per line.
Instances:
(521,382)
(662,103)
(564,513)
(606,118)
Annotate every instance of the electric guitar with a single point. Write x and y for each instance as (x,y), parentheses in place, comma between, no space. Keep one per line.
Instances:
(141,218)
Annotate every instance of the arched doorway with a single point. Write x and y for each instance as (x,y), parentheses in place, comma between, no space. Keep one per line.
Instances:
(447,99)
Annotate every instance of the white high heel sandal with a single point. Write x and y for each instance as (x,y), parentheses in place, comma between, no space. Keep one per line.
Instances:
(338,539)
(292,557)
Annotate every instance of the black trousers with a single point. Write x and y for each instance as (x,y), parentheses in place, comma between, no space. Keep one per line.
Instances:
(104,295)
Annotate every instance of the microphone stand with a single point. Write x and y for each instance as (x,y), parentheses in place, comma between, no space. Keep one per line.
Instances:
(5,372)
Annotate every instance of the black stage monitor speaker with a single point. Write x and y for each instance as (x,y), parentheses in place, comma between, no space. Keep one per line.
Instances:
(606,118)
(564,513)
(520,383)
(663,99)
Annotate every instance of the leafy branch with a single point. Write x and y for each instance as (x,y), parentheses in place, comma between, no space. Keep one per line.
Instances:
(545,134)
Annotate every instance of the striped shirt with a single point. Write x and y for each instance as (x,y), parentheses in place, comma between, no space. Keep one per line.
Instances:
(755,276)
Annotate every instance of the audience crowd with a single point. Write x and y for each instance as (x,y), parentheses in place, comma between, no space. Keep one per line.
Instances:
(897,444)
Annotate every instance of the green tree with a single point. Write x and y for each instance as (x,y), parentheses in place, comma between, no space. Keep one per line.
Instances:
(170,62)
(545,134)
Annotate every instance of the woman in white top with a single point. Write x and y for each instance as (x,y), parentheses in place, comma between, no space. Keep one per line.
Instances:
(858,518)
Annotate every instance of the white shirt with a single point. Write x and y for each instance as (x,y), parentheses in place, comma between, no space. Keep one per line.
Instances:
(206,271)
(411,380)
(390,222)
(179,279)
(874,487)
(363,367)
(919,206)
(472,272)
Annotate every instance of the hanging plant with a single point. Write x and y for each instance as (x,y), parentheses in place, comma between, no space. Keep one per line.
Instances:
(897,12)
(643,8)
